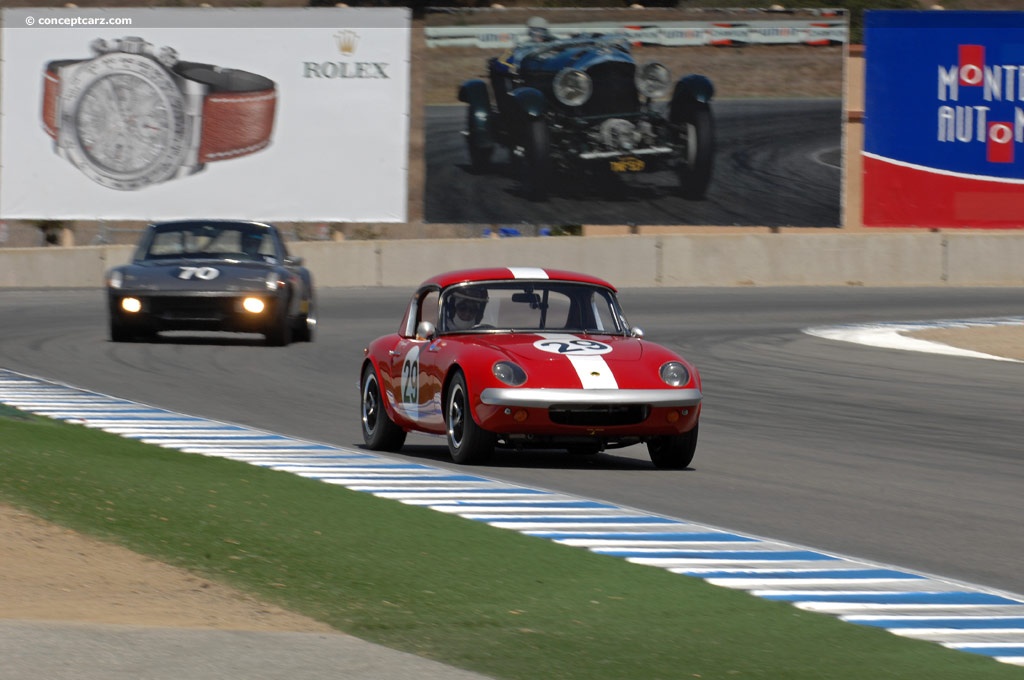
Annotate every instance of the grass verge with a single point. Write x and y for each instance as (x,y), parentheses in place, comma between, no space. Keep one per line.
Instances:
(440,586)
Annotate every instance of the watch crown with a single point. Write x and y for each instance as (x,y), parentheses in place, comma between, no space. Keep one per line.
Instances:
(134,45)
(99,46)
(167,56)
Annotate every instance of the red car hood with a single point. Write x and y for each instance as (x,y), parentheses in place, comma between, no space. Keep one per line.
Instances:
(562,360)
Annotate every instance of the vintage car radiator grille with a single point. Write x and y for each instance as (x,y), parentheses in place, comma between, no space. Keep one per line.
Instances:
(608,415)
(614,90)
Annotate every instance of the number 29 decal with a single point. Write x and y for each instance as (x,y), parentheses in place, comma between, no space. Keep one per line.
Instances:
(572,346)
(411,377)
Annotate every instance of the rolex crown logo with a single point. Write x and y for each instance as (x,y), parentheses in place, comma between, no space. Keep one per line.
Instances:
(347,41)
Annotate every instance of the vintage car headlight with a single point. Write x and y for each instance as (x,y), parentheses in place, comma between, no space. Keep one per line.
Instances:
(653,79)
(273,281)
(115,280)
(131,305)
(509,373)
(573,87)
(253,305)
(674,374)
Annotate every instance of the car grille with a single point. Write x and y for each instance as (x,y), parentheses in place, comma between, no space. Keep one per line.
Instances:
(191,308)
(603,415)
(614,90)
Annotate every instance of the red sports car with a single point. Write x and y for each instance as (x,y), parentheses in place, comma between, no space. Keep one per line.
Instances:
(526,357)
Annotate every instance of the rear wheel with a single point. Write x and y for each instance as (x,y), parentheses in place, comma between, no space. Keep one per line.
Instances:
(696,132)
(673,452)
(379,432)
(468,443)
(536,166)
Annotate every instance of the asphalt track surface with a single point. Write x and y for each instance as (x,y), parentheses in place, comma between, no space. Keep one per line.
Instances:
(898,457)
(777,163)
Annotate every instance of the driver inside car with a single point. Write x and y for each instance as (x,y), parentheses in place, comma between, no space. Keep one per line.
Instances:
(465,308)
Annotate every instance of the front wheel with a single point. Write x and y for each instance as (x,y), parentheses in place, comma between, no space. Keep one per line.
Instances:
(536,160)
(305,325)
(379,432)
(673,452)
(697,138)
(468,443)
(279,332)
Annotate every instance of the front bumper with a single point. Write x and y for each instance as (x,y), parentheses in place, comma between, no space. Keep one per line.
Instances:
(217,311)
(547,398)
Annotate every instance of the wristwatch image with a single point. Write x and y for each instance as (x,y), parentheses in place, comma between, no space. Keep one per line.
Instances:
(132,115)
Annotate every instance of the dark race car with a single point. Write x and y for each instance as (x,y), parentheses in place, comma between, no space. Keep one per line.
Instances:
(212,275)
(527,358)
(583,104)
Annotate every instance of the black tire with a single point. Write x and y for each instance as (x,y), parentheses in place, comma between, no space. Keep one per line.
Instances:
(379,432)
(121,332)
(279,332)
(536,165)
(305,325)
(673,452)
(697,134)
(468,443)
(480,147)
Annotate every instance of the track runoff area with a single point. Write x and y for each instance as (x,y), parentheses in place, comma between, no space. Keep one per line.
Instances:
(957,615)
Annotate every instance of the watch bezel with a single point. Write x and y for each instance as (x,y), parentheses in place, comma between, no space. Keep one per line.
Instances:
(83,77)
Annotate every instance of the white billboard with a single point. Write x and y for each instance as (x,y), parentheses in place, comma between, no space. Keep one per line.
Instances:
(262,113)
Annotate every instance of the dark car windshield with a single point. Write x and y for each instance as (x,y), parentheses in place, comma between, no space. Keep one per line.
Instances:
(555,306)
(199,240)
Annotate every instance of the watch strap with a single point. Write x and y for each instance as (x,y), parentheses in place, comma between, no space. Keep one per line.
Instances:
(238,111)
(51,94)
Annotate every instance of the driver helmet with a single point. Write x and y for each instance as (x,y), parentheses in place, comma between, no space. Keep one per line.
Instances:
(251,243)
(537,29)
(465,307)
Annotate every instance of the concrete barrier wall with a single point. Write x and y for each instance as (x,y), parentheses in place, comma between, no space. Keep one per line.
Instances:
(671,260)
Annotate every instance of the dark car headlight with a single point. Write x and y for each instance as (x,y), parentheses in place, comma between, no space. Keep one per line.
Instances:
(572,87)
(653,79)
(509,373)
(115,279)
(674,373)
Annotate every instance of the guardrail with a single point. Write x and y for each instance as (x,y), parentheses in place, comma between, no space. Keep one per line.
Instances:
(805,258)
(824,31)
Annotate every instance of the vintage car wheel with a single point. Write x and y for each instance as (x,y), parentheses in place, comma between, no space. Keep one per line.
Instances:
(696,132)
(468,443)
(121,332)
(279,332)
(673,452)
(536,160)
(305,325)
(379,432)
(480,149)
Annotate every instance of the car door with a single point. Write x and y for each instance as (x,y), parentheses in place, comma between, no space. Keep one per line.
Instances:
(414,371)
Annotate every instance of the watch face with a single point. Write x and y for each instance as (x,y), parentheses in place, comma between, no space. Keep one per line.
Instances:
(123,121)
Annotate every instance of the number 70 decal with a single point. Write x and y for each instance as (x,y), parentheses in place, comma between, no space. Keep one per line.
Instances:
(203,273)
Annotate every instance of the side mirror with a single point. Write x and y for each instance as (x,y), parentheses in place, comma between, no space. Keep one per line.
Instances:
(636,332)
(425,331)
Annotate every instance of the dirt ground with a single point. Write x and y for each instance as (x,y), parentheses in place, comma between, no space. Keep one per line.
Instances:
(53,573)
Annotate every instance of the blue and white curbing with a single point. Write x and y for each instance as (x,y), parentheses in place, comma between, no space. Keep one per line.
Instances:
(957,615)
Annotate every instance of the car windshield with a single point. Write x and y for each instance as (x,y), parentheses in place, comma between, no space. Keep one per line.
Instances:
(241,242)
(534,306)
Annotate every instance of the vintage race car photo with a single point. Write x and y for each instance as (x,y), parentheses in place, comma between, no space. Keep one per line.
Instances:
(212,275)
(582,105)
(527,358)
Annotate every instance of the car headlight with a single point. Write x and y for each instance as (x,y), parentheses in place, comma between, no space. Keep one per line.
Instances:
(253,305)
(509,373)
(573,87)
(674,373)
(131,305)
(273,281)
(653,79)
(115,280)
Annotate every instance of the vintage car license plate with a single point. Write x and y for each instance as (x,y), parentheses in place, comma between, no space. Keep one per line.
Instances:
(627,164)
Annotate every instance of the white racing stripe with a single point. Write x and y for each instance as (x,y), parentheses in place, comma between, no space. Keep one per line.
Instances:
(528,273)
(591,368)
